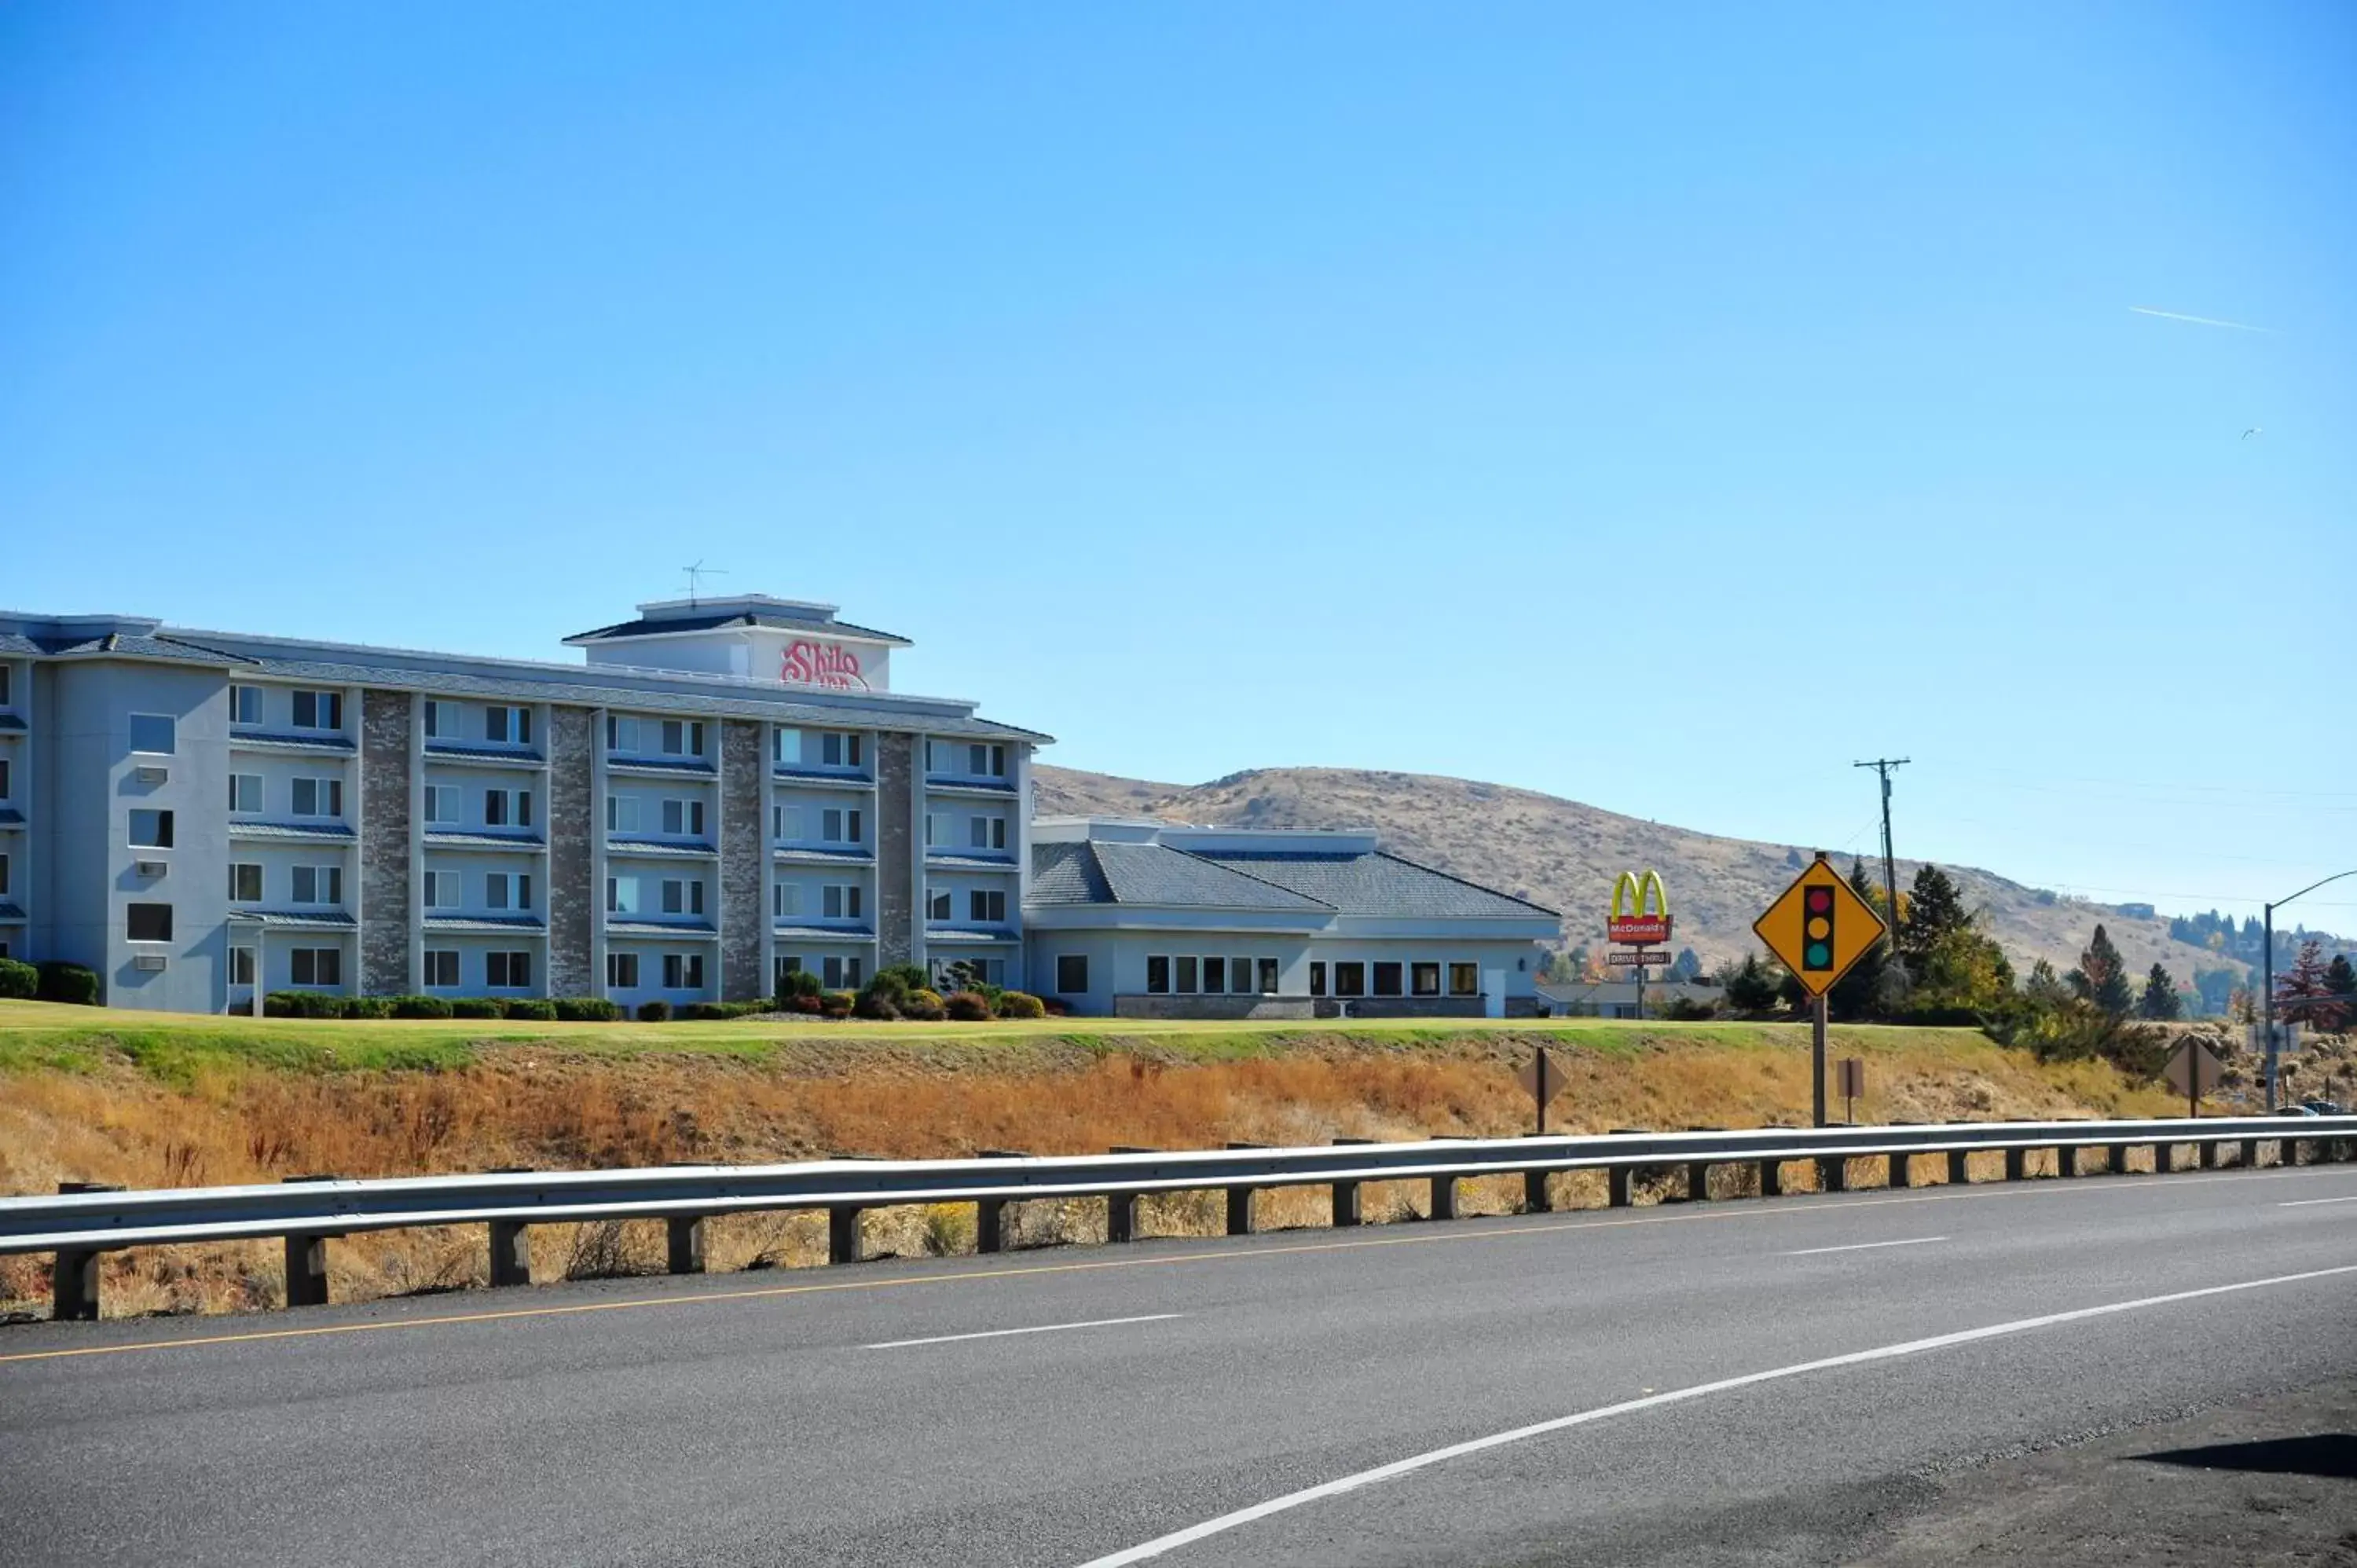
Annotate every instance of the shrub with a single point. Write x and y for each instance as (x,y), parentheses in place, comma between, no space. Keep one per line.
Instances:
(874,1004)
(1020,1005)
(19,981)
(533,1009)
(707,1011)
(473,1007)
(301,1005)
(587,1010)
(377,1007)
(924,1004)
(62,982)
(967,1007)
(1054,1008)
(798,982)
(655,1012)
(835,1003)
(806,1003)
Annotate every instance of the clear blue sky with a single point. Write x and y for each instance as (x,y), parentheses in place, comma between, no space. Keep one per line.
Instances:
(1661,412)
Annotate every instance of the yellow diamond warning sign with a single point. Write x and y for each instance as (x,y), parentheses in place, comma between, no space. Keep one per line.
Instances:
(1819,927)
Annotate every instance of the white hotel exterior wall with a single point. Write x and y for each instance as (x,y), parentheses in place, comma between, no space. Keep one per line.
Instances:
(73,874)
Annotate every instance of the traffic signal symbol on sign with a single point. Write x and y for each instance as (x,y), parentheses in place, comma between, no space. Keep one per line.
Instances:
(1819,927)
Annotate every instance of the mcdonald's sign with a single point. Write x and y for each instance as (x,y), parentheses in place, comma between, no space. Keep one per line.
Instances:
(1641,911)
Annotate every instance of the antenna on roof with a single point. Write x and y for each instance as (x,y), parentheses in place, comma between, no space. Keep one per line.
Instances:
(695,576)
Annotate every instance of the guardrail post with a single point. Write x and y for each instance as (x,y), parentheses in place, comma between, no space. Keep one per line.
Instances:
(73,1276)
(990,1213)
(1443,1197)
(1535,1196)
(1960,1171)
(842,1234)
(2066,1159)
(306,1270)
(684,1243)
(510,1253)
(2017,1164)
(1771,1178)
(2115,1159)
(1346,1193)
(2206,1153)
(1697,1181)
(1832,1173)
(2163,1157)
(1240,1200)
(1121,1207)
(2248,1155)
(1901,1170)
(1616,1186)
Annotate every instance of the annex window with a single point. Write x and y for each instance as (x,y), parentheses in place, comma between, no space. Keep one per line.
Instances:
(5,790)
(841,973)
(153,735)
(1268,977)
(1317,977)
(1215,976)
(683,818)
(151,830)
(507,971)
(838,825)
(442,890)
(985,833)
(507,890)
(837,749)
(507,726)
(785,824)
(245,791)
(4,879)
(786,747)
(1350,979)
(241,966)
(987,905)
(244,704)
(621,733)
(320,709)
(319,884)
(683,737)
(316,966)
(1424,979)
(1387,979)
(319,797)
(682,971)
(441,803)
(936,829)
(840,901)
(622,896)
(436,722)
(622,970)
(940,904)
(1184,981)
(147,922)
(1157,975)
(441,967)
(622,814)
(682,897)
(1240,976)
(1071,973)
(1464,980)
(786,900)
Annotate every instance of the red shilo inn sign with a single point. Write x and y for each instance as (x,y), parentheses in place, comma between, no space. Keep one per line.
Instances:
(808,663)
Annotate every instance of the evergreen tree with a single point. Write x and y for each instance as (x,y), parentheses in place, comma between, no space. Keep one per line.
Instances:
(1861,995)
(2105,976)
(2304,992)
(1935,909)
(2045,989)
(1685,966)
(2340,979)
(2159,998)
(1751,987)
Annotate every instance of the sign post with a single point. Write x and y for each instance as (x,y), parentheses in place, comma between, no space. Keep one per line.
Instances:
(1852,1086)
(1637,925)
(2193,1072)
(1818,929)
(1544,1080)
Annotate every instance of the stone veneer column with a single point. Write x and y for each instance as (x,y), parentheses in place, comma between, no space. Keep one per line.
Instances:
(573,826)
(388,845)
(744,859)
(896,860)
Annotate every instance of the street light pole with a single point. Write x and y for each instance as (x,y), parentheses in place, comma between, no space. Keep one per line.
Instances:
(2267,959)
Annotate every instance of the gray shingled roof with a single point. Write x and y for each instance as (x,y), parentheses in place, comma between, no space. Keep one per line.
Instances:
(822,933)
(10,817)
(668,849)
(684,929)
(12,912)
(294,917)
(11,722)
(775,619)
(483,923)
(309,833)
(1097,872)
(1377,884)
(469,752)
(445,838)
(306,739)
(180,649)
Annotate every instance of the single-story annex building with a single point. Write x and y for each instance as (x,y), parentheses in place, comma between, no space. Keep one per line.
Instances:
(1135,918)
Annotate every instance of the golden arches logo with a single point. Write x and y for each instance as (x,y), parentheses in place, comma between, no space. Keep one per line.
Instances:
(1632,893)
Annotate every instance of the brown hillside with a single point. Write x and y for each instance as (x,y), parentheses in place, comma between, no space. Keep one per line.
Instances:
(1565,856)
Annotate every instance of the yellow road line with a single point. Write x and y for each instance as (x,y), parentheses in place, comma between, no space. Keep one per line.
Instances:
(1734,1209)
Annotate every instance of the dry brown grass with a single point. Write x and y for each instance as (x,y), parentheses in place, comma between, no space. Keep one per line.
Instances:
(542,1107)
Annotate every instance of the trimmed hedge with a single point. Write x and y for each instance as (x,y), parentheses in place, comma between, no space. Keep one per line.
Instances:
(587,1010)
(302,1005)
(924,1005)
(62,982)
(531,1009)
(372,1006)
(967,1007)
(473,1007)
(655,1012)
(420,1006)
(19,981)
(1020,1005)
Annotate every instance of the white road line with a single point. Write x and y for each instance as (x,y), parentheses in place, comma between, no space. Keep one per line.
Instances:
(1040,1328)
(1208,1528)
(2304,1202)
(1865,1246)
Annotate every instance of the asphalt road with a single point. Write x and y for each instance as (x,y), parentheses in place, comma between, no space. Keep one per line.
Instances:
(744,1419)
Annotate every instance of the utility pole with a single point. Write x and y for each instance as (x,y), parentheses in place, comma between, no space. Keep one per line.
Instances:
(1882,767)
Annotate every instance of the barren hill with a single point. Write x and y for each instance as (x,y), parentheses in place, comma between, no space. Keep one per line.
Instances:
(1565,856)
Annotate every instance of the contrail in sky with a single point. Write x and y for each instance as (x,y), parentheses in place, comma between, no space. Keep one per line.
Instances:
(2199,321)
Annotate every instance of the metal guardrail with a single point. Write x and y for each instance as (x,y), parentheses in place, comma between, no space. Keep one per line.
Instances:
(80,1226)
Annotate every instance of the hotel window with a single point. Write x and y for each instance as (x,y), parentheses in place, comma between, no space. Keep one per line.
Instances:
(841,974)
(245,791)
(1157,975)
(500,886)
(840,901)
(507,808)
(1215,976)
(4,779)
(1424,979)
(839,750)
(622,895)
(244,704)
(507,971)
(622,734)
(1268,977)
(621,813)
(1185,979)
(940,905)
(622,970)
(441,803)
(1071,973)
(987,908)
(433,719)
(319,797)
(1317,977)
(151,830)
(316,966)
(1464,980)
(839,826)
(241,966)
(1350,979)
(683,818)
(1387,979)
(1240,976)
(7,677)
(682,971)
(785,824)
(3,875)
(786,900)
(441,967)
(320,709)
(319,884)
(937,830)
(683,737)
(147,922)
(787,964)
(508,725)
(787,748)
(442,890)
(682,897)
(985,833)
(154,734)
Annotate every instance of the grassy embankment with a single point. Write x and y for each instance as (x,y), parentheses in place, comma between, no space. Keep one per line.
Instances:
(158,1101)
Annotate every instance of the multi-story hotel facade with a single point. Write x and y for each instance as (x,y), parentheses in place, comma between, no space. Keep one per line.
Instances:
(725,790)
